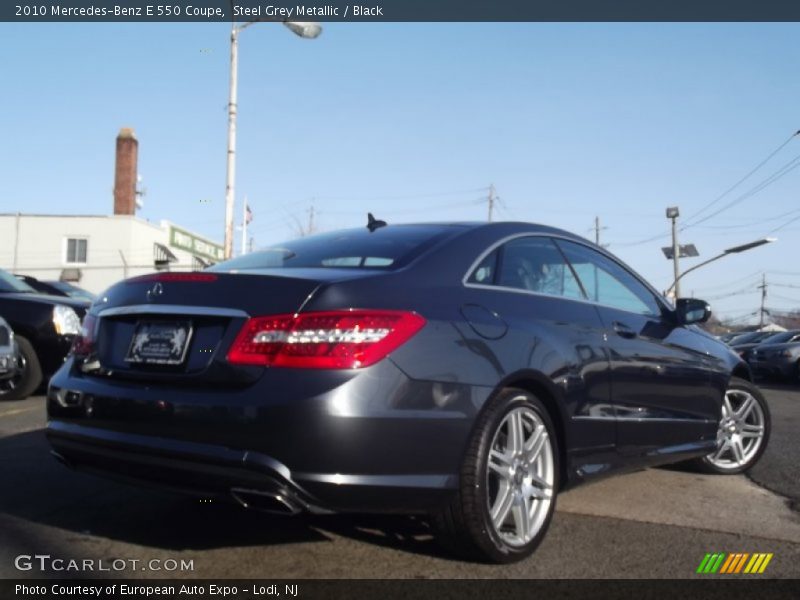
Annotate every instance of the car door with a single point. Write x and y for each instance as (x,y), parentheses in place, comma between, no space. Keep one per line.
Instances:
(555,331)
(660,371)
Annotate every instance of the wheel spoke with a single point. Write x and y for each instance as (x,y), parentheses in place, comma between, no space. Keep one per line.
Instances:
(503,503)
(738,450)
(522,517)
(722,449)
(499,463)
(535,444)
(752,431)
(538,492)
(727,408)
(746,407)
(516,431)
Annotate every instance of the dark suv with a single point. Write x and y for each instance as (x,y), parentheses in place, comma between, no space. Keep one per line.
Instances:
(44,327)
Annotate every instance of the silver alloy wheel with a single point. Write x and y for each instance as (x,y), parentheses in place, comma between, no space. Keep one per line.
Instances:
(741,430)
(519,476)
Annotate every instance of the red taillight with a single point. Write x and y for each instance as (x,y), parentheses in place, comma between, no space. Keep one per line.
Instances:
(83,344)
(188,277)
(345,339)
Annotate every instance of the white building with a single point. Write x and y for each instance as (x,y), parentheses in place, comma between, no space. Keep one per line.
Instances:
(96,251)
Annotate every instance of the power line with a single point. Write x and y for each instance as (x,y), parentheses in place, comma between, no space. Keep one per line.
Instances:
(368,197)
(753,223)
(745,178)
(779,174)
(763,184)
(789,222)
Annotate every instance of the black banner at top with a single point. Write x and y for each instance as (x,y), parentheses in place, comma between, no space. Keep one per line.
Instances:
(399,10)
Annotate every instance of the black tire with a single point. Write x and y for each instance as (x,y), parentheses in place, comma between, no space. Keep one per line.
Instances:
(706,464)
(464,526)
(29,379)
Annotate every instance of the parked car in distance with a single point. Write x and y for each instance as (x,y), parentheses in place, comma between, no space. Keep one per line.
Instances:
(749,337)
(778,356)
(57,288)
(744,347)
(44,326)
(9,357)
(468,372)
(727,337)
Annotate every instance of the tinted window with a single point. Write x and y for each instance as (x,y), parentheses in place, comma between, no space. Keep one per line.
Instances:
(383,248)
(486,271)
(529,263)
(606,282)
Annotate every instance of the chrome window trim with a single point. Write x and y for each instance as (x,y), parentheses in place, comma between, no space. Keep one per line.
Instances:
(643,419)
(465,280)
(172,309)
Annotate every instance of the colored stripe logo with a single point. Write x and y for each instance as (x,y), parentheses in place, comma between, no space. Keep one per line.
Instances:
(734,563)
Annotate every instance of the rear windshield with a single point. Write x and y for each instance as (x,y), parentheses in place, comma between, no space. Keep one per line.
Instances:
(385,248)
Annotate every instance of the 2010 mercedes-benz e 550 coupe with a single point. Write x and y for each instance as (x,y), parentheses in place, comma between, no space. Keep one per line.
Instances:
(464,371)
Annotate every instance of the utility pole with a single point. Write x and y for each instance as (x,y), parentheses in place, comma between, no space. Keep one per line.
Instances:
(492,200)
(310,229)
(763,288)
(673,213)
(597,229)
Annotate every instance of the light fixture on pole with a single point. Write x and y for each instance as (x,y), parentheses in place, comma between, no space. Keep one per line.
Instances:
(734,250)
(305,30)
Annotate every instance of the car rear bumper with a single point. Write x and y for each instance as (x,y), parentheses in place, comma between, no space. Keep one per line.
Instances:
(369,444)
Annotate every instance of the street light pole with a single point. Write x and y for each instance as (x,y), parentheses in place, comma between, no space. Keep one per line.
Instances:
(230,177)
(673,213)
(734,250)
(306,30)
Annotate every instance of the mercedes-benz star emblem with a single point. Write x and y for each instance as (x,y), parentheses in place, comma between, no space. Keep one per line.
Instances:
(155,291)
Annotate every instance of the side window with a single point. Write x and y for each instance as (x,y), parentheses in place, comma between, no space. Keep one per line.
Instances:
(485,272)
(529,263)
(608,283)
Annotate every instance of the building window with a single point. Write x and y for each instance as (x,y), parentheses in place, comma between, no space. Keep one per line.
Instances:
(76,251)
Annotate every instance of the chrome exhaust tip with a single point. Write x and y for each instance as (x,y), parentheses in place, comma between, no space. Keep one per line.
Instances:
(271,502)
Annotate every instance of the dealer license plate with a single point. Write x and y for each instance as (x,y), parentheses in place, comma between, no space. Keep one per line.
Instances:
(160,342)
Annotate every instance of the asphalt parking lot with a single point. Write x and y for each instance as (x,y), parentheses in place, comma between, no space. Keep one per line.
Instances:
(657,523)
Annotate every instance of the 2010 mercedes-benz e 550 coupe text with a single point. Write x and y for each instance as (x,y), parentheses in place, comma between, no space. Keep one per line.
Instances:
(464,371)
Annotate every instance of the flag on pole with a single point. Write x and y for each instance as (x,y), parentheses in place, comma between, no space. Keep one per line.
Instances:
(248,214)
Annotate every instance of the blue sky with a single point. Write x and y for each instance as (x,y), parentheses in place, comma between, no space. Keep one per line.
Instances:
(414,121)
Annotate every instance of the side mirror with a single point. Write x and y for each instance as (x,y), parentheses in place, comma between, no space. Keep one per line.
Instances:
(692,310)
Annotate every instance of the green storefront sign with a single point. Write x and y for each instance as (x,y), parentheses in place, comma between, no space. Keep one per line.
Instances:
(184,240)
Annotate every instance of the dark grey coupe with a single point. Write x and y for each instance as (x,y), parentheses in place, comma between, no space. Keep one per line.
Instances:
(468,372)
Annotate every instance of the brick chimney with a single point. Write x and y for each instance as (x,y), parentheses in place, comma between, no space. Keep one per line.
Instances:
(125,172)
